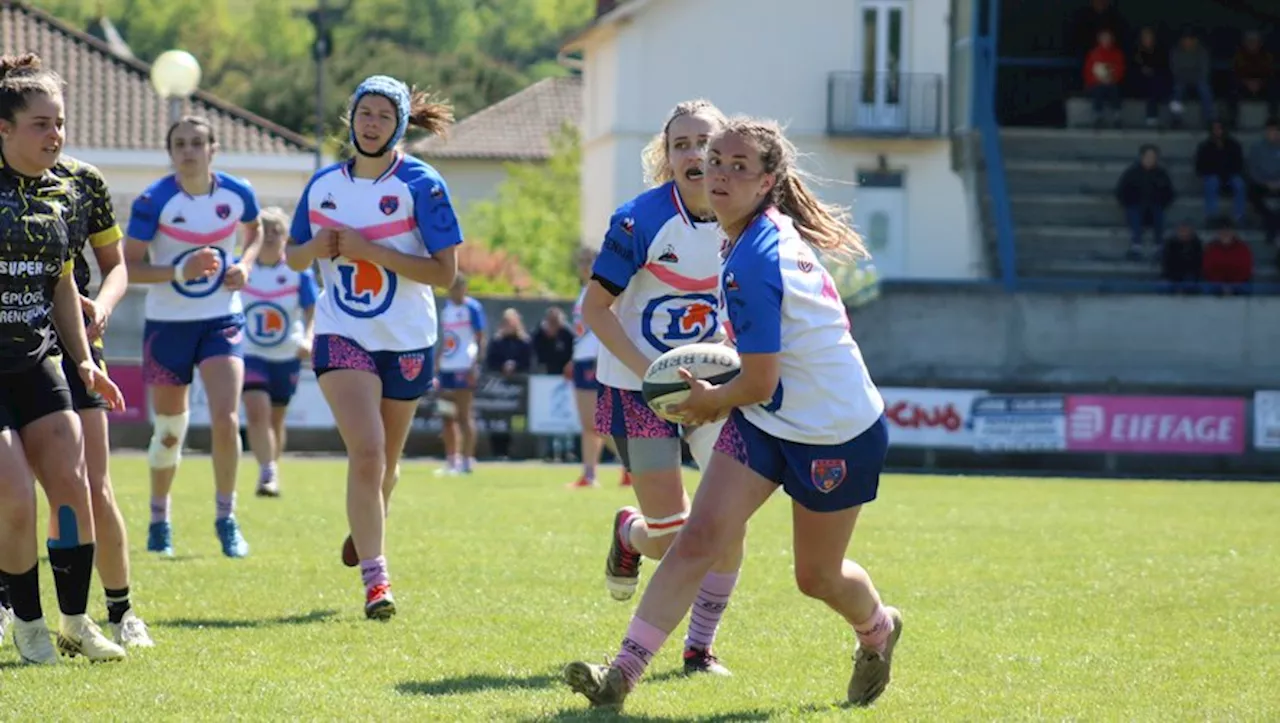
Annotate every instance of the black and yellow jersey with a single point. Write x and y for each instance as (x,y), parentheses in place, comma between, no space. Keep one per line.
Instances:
(94,225)
(36,215)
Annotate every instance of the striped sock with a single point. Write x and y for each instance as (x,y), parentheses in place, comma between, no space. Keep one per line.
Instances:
(704,616)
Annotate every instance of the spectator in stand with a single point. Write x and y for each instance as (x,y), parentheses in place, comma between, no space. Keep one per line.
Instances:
(510,353)
(1145,192)
(1255,71)
(1189,66)
(1103,73)
(1263,170)
(553,350)
(1228,261)
(1092,19)
(1150,74)
(1181,260)
(1220,168)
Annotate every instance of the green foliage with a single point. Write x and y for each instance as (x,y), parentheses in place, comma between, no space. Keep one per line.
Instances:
(534,217)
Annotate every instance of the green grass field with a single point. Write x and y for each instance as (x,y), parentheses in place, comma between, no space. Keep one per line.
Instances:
(1024,600)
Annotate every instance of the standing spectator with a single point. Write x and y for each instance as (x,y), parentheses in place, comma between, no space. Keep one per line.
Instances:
(1189,66)
(1144,191)
(510,353)
(1263,170)
(1228,261)
(1092,19)
(1150,74)
(1255,71)
(1220,167)
(1103,73)
(1181,260)
(553,349)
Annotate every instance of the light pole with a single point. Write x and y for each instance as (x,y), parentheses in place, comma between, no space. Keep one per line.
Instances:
(175,75)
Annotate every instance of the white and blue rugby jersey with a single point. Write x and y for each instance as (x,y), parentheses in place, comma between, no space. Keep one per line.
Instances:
(176,225)
(586,347)
(781,300)
(274,299)
(667,268)
(406,209)
(461,326)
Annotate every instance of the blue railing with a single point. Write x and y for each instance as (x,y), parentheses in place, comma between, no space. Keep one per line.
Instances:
(993,157)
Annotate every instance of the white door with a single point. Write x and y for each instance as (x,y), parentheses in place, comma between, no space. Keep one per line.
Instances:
(881,101)
(880,215)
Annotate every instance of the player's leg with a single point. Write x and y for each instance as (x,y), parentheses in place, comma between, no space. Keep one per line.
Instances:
(592,442)
(466,419)
(168,367)
(220,358)
(279,410)
(729,494)
(261,432)
(19,572)
(54,446)
(282,385)
(828,486)
(450,434)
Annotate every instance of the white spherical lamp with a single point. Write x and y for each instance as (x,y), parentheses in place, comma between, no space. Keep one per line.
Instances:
(175,74)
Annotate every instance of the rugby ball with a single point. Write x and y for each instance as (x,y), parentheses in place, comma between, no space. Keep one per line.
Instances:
(663,387)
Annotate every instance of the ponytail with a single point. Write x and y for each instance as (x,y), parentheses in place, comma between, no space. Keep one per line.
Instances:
(429,114)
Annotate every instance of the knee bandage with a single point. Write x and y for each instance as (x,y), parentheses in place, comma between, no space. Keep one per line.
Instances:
(165,428)
(702,443)
(663,526)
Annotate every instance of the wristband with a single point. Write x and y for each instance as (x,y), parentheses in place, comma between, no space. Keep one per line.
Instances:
(178,277)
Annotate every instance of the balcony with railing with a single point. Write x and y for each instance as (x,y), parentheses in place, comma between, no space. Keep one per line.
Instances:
(885,104)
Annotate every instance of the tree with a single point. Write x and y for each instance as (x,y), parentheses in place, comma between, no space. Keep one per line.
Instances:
(534,217)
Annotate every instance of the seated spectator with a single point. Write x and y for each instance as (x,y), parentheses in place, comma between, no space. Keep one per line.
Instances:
(1262,170)
(1149,74)
(1228,261)
(1103,72)
(1189,67)
(509,353)
(1220,168)
(1145,191)
(1180,260)
(1255,70)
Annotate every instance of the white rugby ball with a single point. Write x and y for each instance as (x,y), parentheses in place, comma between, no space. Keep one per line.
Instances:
(663,387)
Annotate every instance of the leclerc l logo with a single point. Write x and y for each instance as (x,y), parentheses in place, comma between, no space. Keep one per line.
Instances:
(366,289)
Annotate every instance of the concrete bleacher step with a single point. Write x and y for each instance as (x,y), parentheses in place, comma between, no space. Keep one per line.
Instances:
(1120,270)
(1108,146)
(1133,113)
(1085,243)
(1090,177)
(1095,209)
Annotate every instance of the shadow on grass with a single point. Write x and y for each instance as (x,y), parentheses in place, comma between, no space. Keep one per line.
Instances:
(475,684)
(315,616)
(588,714)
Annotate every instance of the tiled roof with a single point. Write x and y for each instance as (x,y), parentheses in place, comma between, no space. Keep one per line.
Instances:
(517,128)
(110,102)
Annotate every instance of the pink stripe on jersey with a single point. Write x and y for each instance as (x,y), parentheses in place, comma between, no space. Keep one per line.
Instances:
(376,232)
(199,239)
(277,294)
(683,283)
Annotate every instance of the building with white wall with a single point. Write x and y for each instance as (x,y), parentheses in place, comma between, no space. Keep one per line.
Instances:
(860,84)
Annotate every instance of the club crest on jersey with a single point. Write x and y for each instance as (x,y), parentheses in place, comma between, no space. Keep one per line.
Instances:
(411,365)
(266,323)
(389,205)
(730,283)
(365,289)
(224,211)
(827,474)
(672,321)
(436,192)
(328,203)
(805,265)
(628,225)
(669,256)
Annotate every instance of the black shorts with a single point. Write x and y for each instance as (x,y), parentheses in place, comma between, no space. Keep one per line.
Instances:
(82,398)
(33,393)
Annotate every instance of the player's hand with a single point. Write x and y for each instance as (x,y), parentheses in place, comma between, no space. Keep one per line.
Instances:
(568,370)
(326,241)
(304,349)
(96,380)
(473,377)
(201,265)
(236,277)
(700,406)
(352,245)
(98,315)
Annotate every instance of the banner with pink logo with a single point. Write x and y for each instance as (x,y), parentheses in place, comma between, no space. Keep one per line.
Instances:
(128,376)
(1171,425)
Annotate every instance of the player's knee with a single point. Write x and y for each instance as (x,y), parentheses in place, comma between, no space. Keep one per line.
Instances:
(369,463)
(17,502)
(701,538)
(817,582)
(167,435)
(224,421)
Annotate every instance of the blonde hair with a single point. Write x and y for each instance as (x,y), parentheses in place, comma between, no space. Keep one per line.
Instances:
(826,226)
(276,217)
(655,156)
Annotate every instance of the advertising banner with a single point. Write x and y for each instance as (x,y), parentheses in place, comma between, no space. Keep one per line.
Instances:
(1019,423)
(128,376)
(1266,421)
(1169,425)
(938,418)
(552,409)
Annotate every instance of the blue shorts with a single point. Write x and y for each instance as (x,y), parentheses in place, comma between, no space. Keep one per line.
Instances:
(405,375)
(171,350)
(584,375)
(458,379)
(822,478)
(279,379)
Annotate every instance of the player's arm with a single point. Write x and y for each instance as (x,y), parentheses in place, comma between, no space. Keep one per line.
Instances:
(753,296)
(67,318)
(252,244)
(621,255)
(438,269)
(144,223)
(482,340)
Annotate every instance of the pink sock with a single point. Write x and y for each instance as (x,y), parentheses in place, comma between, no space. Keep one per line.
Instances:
(159,509)
(225,505)
(704,616)
(642,641)
(874,633)
(374,572)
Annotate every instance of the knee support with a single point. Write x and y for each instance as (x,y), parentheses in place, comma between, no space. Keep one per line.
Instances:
(166,427)
(702,443)
(663,526)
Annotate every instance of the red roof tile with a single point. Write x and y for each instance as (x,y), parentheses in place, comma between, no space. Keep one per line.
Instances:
(110,102)
(517,128)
